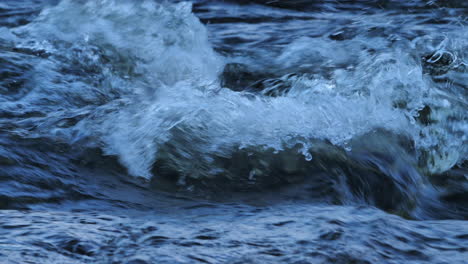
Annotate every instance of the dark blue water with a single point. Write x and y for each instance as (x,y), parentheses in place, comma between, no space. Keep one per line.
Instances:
(233,131)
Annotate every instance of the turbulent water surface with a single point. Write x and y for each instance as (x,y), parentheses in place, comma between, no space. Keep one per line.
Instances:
(233,131)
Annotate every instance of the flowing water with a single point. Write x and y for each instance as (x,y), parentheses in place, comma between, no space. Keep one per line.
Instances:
(233,131)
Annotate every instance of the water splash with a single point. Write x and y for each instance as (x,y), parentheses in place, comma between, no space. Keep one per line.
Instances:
(140,80)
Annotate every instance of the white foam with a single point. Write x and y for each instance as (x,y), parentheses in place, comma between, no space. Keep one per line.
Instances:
(168,88)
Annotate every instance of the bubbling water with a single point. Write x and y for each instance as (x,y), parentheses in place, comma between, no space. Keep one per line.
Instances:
(142,81)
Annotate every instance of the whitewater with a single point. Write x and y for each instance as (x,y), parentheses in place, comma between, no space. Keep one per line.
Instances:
(233,131)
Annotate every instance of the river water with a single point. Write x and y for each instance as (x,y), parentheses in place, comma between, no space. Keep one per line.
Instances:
(233,131)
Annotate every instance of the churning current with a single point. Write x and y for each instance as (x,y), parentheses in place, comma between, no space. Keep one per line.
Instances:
(144,131)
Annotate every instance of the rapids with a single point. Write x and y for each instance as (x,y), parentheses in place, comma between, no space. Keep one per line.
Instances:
(345,121)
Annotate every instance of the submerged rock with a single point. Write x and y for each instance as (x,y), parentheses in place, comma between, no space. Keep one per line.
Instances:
(379,171)
(345,33)
(238,77)
(438,63)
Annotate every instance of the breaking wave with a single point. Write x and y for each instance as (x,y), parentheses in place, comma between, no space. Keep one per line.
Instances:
(141,81)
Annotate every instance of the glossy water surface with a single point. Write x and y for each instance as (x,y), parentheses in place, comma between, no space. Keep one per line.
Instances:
(233,131)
